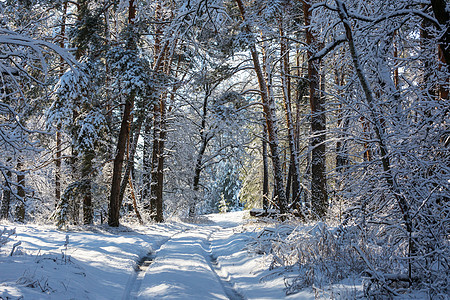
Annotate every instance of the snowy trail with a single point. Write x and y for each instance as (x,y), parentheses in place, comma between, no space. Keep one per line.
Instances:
(174,260)
(183,267)
(223,277)
(135,281)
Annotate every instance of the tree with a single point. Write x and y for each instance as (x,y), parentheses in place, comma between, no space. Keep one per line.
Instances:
(269,111)
(114,204)
(319,198)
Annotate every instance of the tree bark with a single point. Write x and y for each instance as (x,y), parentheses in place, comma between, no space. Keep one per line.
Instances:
(203,144)
(133,196)
(150,159)
(131,151)
(147,163)
(443,17)
(159,134)
(86,174)
(265,170)
(114,203)
(342,124)
(161,156)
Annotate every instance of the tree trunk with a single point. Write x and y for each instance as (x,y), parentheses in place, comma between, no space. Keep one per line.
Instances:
(147,163)
(6,199)
(268,77)
(82,9)
(21,196)
(319,197)
(127,177)
(271,120)
(58,129)
(342,124)
(86,173)
(443,17)
(265,170)
(294,167)
(114,203)
(157,173)
(133,196)
(161,156)
(154,164)
(150,158)
(157,163)
(58,166)
(131,151)
(429,54)
(204,143)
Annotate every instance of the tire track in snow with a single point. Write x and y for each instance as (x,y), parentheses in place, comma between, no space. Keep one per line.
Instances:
(135,280)
(221,275)
(134,283)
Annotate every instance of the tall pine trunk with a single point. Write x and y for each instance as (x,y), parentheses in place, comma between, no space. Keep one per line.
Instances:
(58,130)
(443,16)
(157,185)
(319,196)
(86,173)
(294,167)
(147,162)
(114,201)
(271,120)
(265,170)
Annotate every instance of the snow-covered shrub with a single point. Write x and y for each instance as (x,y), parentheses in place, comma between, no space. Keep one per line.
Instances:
(5,237)
(30,281)
(318,256)
(309,256)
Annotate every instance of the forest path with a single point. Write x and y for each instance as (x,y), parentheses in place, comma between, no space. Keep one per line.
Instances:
(183,267)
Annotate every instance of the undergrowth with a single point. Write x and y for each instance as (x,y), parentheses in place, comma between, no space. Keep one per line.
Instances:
(318,256)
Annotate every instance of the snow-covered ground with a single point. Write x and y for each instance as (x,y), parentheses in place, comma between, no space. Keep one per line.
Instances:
(174,260)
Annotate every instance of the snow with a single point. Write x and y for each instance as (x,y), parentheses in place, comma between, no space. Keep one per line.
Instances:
(174,260)
(182,269)
(96,264)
